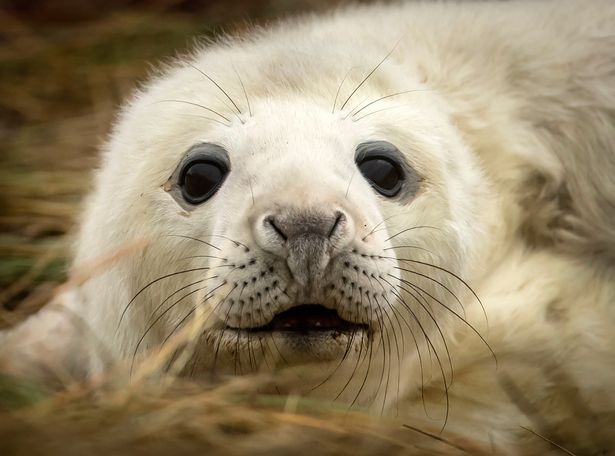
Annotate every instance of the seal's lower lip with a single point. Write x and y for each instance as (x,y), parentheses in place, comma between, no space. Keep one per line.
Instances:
(308,318)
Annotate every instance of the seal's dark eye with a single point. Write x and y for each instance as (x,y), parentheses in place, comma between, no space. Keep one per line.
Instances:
(201,179)
(384,175)
(379,164)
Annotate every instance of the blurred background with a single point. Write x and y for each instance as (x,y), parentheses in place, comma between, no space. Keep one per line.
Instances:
(65,67)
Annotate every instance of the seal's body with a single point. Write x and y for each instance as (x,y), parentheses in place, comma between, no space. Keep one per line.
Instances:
(394,196)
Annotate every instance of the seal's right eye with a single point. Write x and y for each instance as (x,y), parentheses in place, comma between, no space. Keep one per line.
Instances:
(199,175)
(200,179)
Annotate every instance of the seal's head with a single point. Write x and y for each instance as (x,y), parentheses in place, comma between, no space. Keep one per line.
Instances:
(306,226)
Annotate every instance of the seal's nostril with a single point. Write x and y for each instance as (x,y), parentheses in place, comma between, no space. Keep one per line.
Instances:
(339,218)
(270,221)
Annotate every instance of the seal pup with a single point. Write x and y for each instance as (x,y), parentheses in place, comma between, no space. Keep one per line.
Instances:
(412,204)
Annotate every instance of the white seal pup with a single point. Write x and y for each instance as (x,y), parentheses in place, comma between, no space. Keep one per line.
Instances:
(415,200)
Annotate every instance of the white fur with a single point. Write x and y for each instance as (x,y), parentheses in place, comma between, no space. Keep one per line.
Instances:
(511,125)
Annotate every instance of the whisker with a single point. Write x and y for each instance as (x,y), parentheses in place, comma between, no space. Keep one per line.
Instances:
(465,284)
(397,352)
(435,352)
(354,113)
(176,292)
(433,348)
(237,243)
(221,89)
(416,247)
(348,346)
(358,362)
(383,332)
(470,326)
(380,223)
(435,322)
(388,108)
(369,75)
(339,88)
(549,441)
(369,364)
(199,106)
(151,326)
(166,276)
(206,118)
(191,257)
(192,239)
(431,279)
(217,351)
(245,93)
(411,229)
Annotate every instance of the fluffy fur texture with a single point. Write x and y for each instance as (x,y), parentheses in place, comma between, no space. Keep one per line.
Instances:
(507,113)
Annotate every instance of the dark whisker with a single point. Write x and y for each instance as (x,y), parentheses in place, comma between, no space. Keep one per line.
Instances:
(383,332)
(206,118)
(470,326)
(379,110)
(356,366)
(237,243)
(245,93)
(199,106)
(166,276)
(431,279)
(397,352)
(435,322)
(433,348)
(340,88)
(191,257)
(216,353)
(221,89)
(411,229)
(369,75)
(436,437)
(435,352)
(151,326)
(176,292)
(369,363)
(465,284)
(192,239)
(416,247)
(380,223)
(348,346)
(354,113)
(549,441)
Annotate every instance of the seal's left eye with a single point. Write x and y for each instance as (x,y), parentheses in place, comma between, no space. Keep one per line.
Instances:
(380,164)
(201,179)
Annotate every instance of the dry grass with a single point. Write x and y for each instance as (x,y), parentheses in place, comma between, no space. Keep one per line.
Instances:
(191,419)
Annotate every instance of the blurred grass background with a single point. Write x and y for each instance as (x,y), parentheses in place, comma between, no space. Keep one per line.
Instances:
(65,67)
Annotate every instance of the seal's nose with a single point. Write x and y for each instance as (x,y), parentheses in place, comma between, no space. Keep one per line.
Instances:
(306,238)
(291,224)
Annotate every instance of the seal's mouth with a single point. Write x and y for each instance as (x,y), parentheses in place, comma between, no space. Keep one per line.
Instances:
(309,318)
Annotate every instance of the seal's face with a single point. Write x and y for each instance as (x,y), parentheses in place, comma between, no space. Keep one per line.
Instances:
(298,255)
(301,235)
